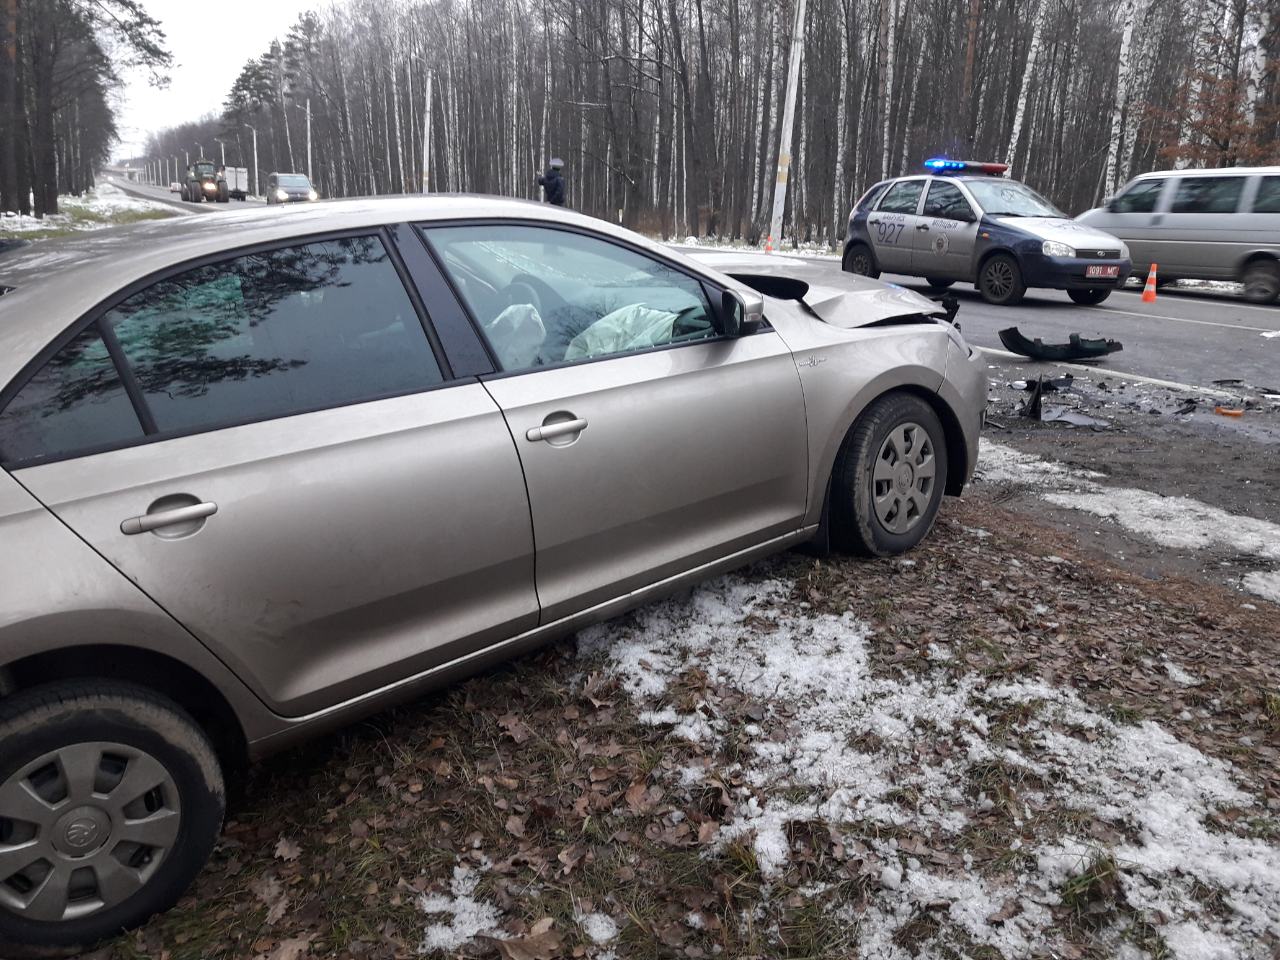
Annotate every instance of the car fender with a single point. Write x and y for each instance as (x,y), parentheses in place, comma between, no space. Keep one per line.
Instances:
(842,371)
(95,605)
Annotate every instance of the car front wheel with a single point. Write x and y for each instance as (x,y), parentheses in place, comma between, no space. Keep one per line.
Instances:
(1000,281)
(111,799)
(859,259)
(889,477)
(1089,298)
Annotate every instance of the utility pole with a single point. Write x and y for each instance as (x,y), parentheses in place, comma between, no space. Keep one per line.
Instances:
(309,140)
(257,177)
(788,121)
(426,137)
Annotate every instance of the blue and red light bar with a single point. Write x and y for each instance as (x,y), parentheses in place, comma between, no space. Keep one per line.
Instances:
(943,165)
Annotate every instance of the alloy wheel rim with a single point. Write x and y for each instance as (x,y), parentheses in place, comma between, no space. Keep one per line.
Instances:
(902,478)
(83,828)
(861,264)
(999,279)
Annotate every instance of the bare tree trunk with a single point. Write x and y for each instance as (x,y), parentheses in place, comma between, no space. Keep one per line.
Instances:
(1033,56)
(1123,79)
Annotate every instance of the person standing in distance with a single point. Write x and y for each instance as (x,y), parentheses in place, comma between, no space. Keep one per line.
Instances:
(552,183)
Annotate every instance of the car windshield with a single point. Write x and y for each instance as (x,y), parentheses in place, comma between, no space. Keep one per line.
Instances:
(1008,198)
(294,180)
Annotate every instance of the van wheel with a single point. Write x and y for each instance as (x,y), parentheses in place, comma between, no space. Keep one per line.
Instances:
(111,799)
(1089,298)
(1000,281)
(1261,281)
(860,260)
(889,478)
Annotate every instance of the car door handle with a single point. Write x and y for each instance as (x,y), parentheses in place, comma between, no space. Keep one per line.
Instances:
(167,518)
(922,226)
(552,430)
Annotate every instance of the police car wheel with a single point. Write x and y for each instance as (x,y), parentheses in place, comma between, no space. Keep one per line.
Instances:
(937,283)
(860,260)
(1089,298)
(1000,281)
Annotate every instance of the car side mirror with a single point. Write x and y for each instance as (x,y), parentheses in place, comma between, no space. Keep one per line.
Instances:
(1111,205)
(741,312)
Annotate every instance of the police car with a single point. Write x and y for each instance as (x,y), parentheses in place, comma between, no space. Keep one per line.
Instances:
(966,221)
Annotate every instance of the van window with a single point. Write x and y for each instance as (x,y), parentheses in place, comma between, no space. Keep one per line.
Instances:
(1139,198)
(1208,195)
(1268,198)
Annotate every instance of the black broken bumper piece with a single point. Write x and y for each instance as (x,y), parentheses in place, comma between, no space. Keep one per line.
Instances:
(1076,348)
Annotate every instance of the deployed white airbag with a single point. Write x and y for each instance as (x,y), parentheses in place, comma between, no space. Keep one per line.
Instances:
(517,334)
(632,327)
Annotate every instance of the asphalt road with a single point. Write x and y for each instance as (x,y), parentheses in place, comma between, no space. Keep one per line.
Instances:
(162,195)
(1186,337)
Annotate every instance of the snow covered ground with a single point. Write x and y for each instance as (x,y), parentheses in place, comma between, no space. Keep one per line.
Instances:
(103,206)
(1179,523)
(840,747)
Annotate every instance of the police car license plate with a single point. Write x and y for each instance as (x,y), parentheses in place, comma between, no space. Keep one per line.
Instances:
(1101,272)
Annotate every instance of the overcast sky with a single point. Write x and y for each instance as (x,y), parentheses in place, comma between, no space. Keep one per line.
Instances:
(207,60)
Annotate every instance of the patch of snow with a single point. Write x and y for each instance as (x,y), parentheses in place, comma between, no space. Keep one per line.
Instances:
(1264,585)
(1178,522)
(856,742)
(600,928)
(91,211)
(469,917)
(1178,675)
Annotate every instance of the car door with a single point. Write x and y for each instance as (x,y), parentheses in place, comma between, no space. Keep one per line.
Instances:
(892,225)
(1135,216)
(1200,233)
(650,443)
(945,233)
(268,446)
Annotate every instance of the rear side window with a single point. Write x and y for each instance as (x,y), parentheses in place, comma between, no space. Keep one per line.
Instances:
(871,196)
(1268,198)
(272,334)
(1142,197)
(1208,195)
(947,202)
(75,402)
(902,197)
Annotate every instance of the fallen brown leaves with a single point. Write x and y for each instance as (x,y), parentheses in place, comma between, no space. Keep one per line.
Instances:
(546,783)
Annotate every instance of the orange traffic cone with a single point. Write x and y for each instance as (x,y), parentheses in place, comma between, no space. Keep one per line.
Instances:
(1149,291)
(768,244)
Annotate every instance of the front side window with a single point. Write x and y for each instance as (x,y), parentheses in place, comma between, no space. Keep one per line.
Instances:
(947,202)
(871,196)
(272,334)
(1268,198)
(1142,197)
(543,296)
(75,402)
(902,197)
(1208,195)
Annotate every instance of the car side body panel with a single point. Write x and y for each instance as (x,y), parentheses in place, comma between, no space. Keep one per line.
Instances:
(59,594)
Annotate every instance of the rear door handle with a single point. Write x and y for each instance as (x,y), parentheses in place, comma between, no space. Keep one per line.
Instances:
(553,430)
(167,518)
(922,226)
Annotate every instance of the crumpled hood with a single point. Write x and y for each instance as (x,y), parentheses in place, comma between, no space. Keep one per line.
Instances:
(1071,232)
(841,299)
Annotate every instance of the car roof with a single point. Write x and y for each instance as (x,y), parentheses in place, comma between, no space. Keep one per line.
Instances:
(1210,172)
(56,281)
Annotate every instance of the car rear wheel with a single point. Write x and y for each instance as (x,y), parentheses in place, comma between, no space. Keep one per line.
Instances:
(937,283)
(860,260)
(1000,281)
(1089,298)
(1261,282)
(889,478)
(111,799)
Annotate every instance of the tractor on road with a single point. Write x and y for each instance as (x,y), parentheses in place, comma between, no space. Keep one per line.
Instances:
(205,182)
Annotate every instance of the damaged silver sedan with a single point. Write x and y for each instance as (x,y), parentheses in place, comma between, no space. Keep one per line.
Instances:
(263,474)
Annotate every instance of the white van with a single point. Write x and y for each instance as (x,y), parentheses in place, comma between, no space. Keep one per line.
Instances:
(1201,225)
